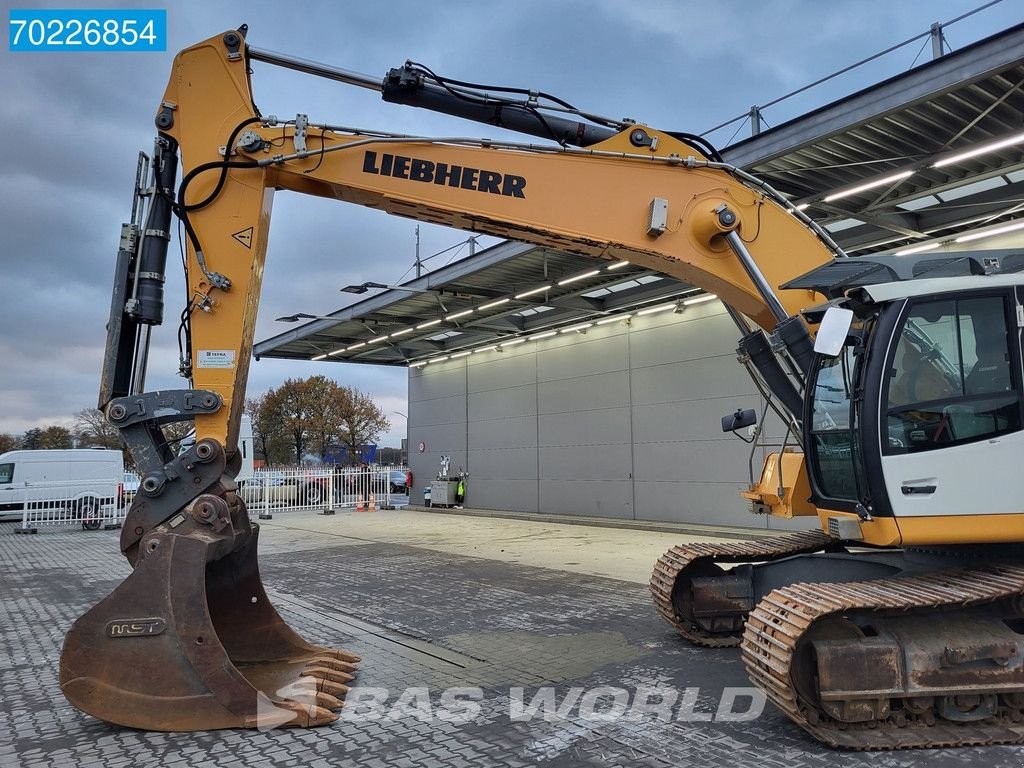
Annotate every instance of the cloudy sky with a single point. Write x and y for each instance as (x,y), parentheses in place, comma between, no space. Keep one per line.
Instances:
(73,123)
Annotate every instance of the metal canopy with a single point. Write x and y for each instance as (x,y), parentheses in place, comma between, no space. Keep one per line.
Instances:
(960,101)
(963,100)
(383,330)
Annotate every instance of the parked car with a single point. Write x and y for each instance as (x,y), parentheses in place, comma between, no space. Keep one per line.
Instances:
(287,489)
(396,480)
(363,481)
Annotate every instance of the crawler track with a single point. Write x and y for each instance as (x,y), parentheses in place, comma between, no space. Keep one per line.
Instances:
(776,625)
(688,558)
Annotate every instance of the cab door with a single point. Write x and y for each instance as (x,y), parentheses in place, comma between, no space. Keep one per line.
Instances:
(951,407)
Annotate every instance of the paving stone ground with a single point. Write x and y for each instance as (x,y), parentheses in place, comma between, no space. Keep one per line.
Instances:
(421,619)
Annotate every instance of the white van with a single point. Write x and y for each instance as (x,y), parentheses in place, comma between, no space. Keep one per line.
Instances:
(85,479)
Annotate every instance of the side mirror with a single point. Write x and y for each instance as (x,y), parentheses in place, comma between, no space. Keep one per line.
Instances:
(832,333)
(739,420)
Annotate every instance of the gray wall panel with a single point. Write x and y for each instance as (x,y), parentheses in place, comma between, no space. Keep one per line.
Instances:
(507,495)
(440,438)
(714,503)
(503,464)
(514,432)
(689,380)
(503,403)
(583,355)
(502,370)
(439,410)
(437,381)
(689,420)
(596,462)
(697,461)
(697,333)
(587,498)
(581,428)
(585,393)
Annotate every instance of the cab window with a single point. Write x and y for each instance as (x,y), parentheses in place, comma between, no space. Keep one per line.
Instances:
(6,473)
(837,462)
(951,379)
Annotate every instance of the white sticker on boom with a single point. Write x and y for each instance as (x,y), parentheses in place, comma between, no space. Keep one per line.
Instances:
(215,358)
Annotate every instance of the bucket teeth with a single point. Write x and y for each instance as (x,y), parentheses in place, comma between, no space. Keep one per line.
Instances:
(295,714)
(340,655)
(314,670)
(327,701)
(319,684)
(329,662)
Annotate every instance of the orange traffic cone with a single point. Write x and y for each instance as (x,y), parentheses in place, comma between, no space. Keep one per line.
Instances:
(373,504)
(359,504)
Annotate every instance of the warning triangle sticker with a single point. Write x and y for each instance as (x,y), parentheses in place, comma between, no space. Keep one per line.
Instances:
(244,237)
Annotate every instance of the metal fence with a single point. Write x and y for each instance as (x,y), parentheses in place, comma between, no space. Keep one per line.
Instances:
(95,504)
(90,504)
(322,489)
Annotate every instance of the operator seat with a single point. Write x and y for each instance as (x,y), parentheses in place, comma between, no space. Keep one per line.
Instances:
(920,379)
(992,371)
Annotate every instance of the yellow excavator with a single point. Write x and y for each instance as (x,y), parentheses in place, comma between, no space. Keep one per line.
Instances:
(898,624)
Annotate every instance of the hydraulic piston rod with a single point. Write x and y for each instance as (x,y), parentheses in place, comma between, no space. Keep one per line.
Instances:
(405,86)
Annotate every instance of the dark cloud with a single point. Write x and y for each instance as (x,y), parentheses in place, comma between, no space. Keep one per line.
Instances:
(73,123)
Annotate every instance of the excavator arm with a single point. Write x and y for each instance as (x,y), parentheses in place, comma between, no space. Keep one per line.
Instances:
(221,655)
(595,201)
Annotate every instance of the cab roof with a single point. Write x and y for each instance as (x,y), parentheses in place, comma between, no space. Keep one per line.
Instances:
(915,275)
(938,285)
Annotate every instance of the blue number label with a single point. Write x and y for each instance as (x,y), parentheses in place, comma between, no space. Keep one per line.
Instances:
(87,30)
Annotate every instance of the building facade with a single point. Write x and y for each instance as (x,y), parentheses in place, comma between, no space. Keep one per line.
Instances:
(620,421)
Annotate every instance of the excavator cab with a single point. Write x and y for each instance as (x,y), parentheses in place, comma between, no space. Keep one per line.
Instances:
(925,388)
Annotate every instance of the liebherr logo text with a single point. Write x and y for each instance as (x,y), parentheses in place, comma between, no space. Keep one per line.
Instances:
(426,171)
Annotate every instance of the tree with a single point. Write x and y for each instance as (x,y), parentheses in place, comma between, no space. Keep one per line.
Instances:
(94,431)
(271,443)
(327,405)
(39,438)
(362,421)
(291,408)
(314,414)
(30,440)
(55,437)
(8,442)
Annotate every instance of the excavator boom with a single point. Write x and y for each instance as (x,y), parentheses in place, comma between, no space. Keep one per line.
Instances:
(595,201)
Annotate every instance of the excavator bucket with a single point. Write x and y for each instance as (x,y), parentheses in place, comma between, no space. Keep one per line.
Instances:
(190,641)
